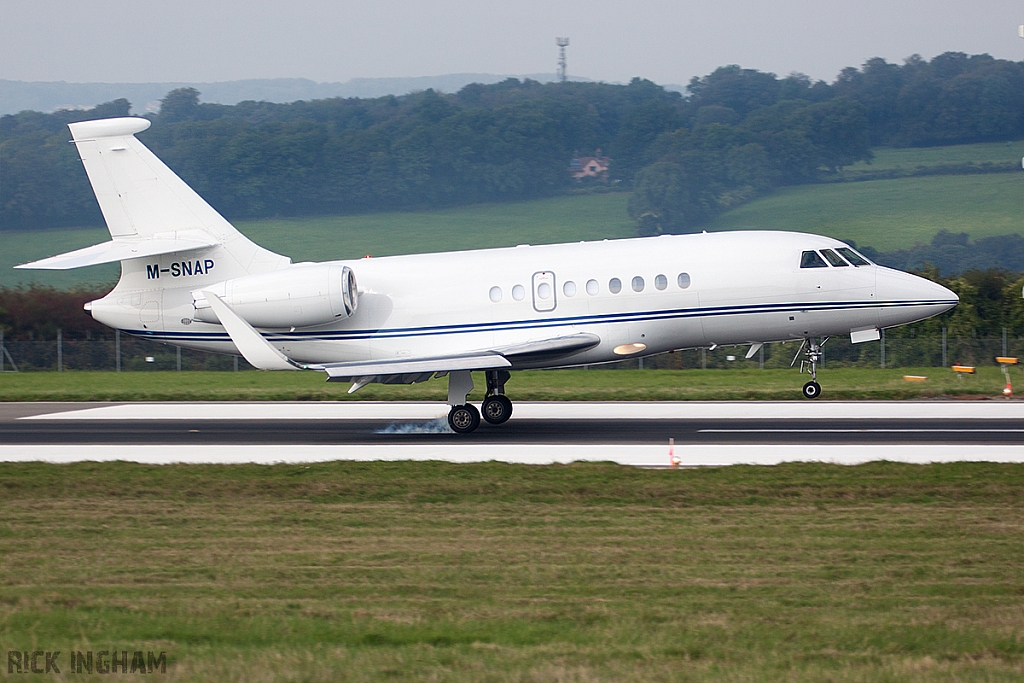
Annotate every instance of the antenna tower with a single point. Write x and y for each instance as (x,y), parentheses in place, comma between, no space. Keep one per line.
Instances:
(562,44)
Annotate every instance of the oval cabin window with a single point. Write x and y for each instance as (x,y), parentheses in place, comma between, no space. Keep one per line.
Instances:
(495,294)
(569,288)
(683,280)
(638,284)
(593,288)
(518,292)
(615,285)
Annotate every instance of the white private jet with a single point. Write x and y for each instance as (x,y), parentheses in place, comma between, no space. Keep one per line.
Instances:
(189,278)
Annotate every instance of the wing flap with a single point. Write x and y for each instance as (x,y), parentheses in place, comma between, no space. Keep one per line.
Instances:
(400,369)
(343,372)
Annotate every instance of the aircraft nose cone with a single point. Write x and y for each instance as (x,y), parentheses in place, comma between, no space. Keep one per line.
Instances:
(907,298)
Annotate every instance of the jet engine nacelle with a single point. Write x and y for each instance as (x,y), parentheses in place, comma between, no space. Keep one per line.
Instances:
(297,296)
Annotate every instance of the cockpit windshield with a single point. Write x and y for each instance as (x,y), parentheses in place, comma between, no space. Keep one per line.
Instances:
(853,257)
(811,259)
(835,259)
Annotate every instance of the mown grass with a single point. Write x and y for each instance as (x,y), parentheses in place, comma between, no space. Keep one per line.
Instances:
(494,572)
(555,385)
(889,214)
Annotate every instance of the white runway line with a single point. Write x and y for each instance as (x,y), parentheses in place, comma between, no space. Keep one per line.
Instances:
(632,410)
(640,455)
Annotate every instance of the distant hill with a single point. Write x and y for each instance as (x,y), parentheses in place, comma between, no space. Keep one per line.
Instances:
(48,96)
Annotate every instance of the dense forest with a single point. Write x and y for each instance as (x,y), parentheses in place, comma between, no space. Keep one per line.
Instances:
(737,133)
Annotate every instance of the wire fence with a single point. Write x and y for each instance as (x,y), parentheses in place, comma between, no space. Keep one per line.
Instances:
(129,353)
(124,352)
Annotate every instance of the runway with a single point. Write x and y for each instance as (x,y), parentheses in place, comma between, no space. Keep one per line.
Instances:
(635,433)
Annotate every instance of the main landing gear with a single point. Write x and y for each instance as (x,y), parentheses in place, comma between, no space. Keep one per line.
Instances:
(463,418)
(812,356)
(497,408)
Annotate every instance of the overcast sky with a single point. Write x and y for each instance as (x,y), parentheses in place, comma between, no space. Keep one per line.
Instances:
(667,41)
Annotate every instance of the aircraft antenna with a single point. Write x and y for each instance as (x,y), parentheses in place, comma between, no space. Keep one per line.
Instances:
(562,44)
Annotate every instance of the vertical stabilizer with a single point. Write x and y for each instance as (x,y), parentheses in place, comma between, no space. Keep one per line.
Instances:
(139,195)
(151,212)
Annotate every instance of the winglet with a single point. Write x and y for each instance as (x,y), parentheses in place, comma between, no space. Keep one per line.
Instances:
(257,350)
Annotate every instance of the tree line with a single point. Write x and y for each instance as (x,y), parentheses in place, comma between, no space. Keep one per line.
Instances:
(735,134)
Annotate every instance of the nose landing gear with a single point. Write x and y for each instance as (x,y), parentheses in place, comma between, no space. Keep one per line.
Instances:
(812,356)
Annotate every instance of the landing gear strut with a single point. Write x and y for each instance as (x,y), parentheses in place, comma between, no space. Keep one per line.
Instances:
(464,417)
(812,356)
(497,408)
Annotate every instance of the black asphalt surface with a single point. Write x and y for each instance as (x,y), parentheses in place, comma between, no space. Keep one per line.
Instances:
(516,431)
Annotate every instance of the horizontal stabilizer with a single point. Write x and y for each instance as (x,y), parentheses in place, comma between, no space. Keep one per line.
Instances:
(340,372)
(250,343)
(123,250)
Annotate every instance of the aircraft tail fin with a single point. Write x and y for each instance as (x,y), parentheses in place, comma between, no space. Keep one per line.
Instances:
(150,211)
(137,193)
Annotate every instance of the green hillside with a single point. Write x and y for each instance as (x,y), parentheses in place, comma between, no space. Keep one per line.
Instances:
(543,221)
(889,214)
(885,214)
(913,158)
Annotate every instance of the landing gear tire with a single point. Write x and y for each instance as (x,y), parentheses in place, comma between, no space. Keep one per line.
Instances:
(812,390)
(497,409)
(463,419)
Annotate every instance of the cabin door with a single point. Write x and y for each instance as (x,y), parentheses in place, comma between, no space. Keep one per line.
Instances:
(544,291)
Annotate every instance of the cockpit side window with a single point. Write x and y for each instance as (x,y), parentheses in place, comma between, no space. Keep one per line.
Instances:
(834,258)
(853,257)
(810,259)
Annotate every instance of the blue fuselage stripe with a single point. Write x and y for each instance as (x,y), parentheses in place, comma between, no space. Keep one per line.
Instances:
(637,316)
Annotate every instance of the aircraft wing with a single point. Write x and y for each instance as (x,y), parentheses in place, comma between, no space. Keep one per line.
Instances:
(549,349)
(263,355)
(488,359)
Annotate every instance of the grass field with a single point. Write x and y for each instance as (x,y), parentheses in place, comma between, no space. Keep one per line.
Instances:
(493,572)
(555,385)
(912,158)
(889,214)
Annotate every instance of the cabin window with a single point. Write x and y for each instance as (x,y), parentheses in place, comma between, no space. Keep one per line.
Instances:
(544,290)
(495,294)
(810,259)
(593,288)
(615,285)
(834,258)
(569,288)
(638,284)
(518,292)
(660,282)
(853,257)
(683,280)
